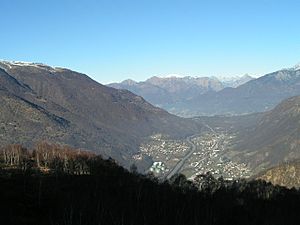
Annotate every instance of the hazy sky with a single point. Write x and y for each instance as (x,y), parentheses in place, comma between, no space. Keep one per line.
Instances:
(114,40)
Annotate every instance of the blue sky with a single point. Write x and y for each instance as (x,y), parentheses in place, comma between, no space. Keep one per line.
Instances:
(117,39)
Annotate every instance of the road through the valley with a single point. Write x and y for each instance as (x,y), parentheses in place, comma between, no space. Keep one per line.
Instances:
(180,164)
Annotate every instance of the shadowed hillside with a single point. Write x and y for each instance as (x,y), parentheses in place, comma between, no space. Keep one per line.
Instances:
(58,185)
(274,138)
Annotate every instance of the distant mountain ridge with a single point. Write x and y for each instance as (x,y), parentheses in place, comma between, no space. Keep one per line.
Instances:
(235,81)
(258,95)
(211,97)
(39,102)
(190,97)
(167,92)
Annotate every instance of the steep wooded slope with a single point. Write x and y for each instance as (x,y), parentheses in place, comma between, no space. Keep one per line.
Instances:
(109,121)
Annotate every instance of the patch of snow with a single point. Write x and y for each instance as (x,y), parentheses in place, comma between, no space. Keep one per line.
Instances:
(228,79)
(11,64)
(297,66)
(172,75)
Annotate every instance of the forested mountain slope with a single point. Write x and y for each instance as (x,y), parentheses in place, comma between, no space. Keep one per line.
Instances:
(69,107)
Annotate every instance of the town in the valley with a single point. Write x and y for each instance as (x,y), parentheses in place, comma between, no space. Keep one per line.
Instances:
(203,153)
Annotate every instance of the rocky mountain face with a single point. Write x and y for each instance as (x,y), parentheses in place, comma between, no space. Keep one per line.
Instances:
(273,138)
(286,174)
(39,102)
(172,92)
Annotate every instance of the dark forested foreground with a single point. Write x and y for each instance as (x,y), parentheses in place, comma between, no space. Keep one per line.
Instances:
(59,186)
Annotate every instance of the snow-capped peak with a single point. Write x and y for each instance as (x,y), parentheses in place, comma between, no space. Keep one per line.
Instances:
(172,75)
(228,79)
(21,63)
(10,64)
(129,82)
(297,66)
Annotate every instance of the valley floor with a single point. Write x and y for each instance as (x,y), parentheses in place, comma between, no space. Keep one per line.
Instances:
(197,154)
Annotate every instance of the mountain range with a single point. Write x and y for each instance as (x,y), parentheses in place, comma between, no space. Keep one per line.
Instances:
(185,97)
(39,102)
(170,91)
